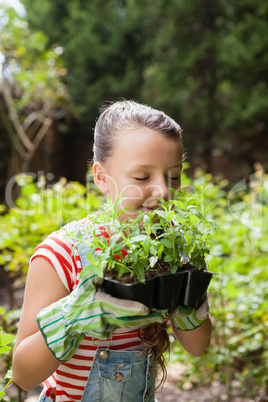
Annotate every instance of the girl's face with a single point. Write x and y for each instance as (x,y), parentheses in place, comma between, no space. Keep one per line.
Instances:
(143,166)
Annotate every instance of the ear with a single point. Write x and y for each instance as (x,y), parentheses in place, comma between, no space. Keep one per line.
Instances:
(100,177)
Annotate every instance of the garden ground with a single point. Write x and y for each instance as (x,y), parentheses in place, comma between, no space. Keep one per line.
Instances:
(170,392)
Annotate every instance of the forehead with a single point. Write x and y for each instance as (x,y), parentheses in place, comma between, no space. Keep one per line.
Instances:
(146,146)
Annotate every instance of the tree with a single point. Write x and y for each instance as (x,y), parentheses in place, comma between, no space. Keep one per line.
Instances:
(203,62)
(104,48)
(30,86)
(209,71)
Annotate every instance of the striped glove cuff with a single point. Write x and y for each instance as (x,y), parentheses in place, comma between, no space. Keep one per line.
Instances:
(189,319)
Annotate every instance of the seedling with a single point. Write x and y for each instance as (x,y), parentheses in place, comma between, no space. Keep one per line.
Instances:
(167,239)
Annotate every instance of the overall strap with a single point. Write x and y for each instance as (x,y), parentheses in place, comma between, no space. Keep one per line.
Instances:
(82,248)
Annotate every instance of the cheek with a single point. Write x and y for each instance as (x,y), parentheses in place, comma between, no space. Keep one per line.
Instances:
(113,187)
(132,196)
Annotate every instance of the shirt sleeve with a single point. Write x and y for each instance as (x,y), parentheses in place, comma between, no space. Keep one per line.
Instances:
(58,250)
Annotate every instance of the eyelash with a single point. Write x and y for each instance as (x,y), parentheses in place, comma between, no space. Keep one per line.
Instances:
(141,179)
(145,178)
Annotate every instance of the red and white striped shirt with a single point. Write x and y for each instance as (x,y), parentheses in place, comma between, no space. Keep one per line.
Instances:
(69,380)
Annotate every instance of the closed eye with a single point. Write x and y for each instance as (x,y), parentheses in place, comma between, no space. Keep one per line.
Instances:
(173,178)
(141,178)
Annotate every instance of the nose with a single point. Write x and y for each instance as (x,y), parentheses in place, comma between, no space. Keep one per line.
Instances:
(160,189)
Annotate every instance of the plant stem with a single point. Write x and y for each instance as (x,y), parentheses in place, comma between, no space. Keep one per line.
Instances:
(173,241)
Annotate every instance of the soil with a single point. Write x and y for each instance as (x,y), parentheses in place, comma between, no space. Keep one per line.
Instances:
(162,268)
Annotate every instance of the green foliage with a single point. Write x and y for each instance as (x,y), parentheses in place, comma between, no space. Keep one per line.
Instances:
(36,69)
(40,209)
(5,341)
(239,296)
(105,59)
(175,233)
(202,62)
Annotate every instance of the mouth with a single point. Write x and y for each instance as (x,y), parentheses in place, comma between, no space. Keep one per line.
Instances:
(149,209)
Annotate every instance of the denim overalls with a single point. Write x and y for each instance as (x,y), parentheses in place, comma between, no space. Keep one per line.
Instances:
(118,375)
(121,376)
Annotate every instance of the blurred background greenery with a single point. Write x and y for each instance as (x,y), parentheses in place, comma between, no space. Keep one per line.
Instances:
(204,63)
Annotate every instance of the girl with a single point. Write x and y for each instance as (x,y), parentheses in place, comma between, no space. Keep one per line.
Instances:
(84,344)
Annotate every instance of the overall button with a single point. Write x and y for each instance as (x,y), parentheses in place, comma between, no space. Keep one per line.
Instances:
(147,394)
(118,375)
(104,354)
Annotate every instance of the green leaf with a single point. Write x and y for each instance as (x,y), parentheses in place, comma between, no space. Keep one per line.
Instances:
(90,257)
(173,267)
(161,213)
(4,349)
(212,223)
(99,271)
(134,256)
(167,243)
(160,249)
(114,239)
(139,218)
(139,238)
(121,269)
(2,392)
(9,374)
(121,211)
(146,244)
(139,271)
(89,269)
(5,339)
(147,223)
(168,258)
(153,261)
(182,214)
(196,212)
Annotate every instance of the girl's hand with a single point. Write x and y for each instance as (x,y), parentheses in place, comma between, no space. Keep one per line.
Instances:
(88,312)
(189,319)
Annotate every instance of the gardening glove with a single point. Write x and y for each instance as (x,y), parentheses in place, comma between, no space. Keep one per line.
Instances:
(89,312)
(188,319)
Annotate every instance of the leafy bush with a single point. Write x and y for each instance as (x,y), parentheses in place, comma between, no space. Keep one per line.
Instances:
(238,355)
(39,210)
